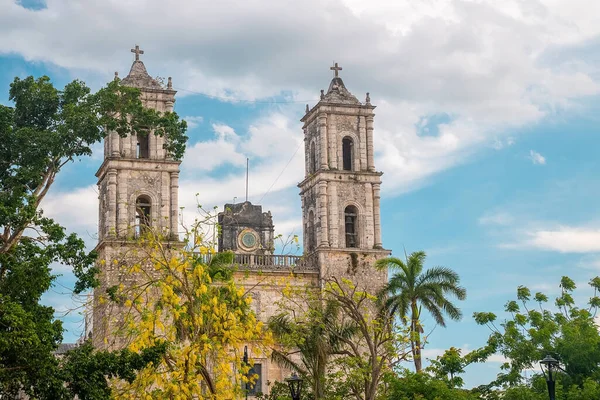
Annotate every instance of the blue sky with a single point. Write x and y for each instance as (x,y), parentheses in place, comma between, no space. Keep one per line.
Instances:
(487,126)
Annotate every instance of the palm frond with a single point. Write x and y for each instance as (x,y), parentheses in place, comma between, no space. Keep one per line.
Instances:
(283,360)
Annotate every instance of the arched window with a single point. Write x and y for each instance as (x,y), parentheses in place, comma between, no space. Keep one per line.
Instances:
(143,214)
(347,160)
(313,159)
(143,146)
(311,232)
(350,216)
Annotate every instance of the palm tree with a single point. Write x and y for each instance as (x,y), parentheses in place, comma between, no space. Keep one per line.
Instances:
(410,289)
(314,340)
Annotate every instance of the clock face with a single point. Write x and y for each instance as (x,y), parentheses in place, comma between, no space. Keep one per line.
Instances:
(248,240)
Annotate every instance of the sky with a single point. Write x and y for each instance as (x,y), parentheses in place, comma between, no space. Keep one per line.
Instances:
(486,128)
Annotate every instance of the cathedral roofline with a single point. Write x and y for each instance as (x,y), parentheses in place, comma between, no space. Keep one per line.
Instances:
(138,76)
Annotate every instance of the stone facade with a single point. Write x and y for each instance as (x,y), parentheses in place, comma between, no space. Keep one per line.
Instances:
(245,228)
(138,187)
(341,190)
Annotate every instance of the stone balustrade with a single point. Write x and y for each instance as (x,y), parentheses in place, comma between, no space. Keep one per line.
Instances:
(269,262)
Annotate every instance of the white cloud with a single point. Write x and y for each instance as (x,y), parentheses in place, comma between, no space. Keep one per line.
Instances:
(498,218)
(193,121)
(501,143)
(205,156)
(490,65)
(566,239)
(77,210)
(537,158)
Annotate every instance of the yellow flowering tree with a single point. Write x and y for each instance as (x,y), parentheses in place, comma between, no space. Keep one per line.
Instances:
(184,295)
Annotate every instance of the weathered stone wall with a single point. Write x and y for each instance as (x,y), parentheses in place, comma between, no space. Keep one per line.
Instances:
(267,293)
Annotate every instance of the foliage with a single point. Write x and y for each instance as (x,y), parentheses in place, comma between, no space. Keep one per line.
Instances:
(194,306)
(416,386)
(311,336)
(568,333)
(281,391)
(376,348)
(452,363)
(87,371)
(44,130)
(410,289)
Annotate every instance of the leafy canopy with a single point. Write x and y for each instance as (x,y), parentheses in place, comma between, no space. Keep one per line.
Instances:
(40,132)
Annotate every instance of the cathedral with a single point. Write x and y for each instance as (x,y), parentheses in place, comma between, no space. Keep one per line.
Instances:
(340,195)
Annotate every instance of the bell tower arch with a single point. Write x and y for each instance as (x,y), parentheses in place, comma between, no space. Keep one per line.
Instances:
(341,189)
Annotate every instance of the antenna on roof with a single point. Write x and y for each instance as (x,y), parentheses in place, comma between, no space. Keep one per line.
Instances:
(247,168)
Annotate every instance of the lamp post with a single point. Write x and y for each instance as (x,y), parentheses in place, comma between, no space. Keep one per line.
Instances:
(295,384)
(549,367)
(245,360)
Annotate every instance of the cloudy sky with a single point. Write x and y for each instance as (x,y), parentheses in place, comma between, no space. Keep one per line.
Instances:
(486,128)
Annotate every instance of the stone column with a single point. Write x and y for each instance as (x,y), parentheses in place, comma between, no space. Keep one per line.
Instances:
(370,150)
(115,151)
(323,213)
(126,146)
(122,215)
(368,232)
(377,214)
(151,145)
(306,154)
(112,202)
(133,141)
(169,104)
(362,133)
(174,204)
(323,140)
(304,226)
(333,143)
(159,142)
(333,215)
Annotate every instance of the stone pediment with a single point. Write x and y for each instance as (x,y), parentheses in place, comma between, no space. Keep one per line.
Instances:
(337,93)
(138,77)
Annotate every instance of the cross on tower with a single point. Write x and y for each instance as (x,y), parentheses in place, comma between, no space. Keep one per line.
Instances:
(137,52)
(335,68)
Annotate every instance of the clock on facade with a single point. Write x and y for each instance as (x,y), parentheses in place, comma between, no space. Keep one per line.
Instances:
(248,240)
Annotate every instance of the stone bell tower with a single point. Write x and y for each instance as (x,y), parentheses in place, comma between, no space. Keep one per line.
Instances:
(341,190)
(138,186)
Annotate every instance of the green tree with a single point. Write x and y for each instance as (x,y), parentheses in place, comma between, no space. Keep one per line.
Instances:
(314,335)
(452,363)
(42,131)
(378,345)
(567,332)
(408,385)
(410,289)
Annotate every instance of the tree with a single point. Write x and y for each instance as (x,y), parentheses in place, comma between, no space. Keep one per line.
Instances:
(568,333)
(189,300)
(44,130)
(307,340)
(88,371)
(410,289)
(376,348)
(407,385)
(452,363)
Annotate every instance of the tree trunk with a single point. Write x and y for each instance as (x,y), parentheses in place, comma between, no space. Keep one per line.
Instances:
(416,337)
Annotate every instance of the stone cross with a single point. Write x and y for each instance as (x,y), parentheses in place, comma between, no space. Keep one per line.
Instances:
(335,68)
(137,52)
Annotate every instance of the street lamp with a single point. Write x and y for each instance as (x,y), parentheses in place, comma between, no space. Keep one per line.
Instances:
(295,384)
(549,367)
(245,360)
